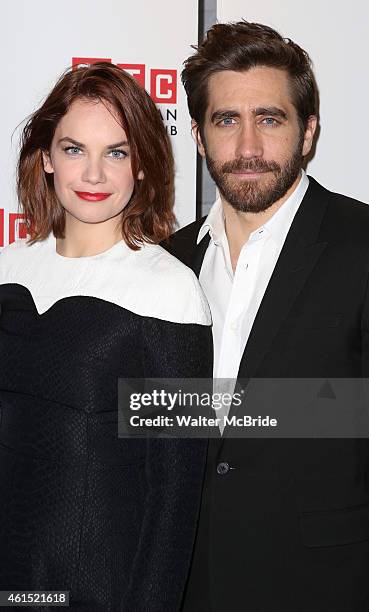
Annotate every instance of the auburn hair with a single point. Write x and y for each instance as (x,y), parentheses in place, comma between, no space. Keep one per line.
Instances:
(149,216)
(243,45)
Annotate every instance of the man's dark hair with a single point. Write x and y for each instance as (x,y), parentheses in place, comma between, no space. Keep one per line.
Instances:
(239,47)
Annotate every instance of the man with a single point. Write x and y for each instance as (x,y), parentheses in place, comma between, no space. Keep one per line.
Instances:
(284,263)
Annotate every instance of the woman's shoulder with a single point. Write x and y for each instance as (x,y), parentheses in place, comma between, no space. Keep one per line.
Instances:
(171,289)
(15,255)
(148,282)
(19,246)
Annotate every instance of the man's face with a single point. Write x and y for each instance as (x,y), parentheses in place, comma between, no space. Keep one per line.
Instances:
(252,140)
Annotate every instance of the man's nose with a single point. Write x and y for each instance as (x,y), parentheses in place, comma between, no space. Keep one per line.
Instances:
(249,142)
(93,171)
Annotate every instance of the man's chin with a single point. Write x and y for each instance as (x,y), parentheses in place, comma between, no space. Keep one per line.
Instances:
(249,196)
(249,206)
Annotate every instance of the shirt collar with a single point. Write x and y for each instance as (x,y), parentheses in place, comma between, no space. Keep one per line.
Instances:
(278,225)
(214,223)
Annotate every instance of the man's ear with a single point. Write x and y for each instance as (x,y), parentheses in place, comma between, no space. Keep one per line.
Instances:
(195,130)
(309,134)
(46,160)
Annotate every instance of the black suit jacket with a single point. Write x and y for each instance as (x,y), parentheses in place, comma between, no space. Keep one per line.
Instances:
(287,528)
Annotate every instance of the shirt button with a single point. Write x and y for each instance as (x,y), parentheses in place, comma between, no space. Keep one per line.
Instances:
(233,326)
(223,468)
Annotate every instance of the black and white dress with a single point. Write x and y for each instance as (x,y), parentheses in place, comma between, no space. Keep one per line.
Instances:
(111,520)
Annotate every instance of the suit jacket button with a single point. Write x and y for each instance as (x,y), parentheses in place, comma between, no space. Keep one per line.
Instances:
(223,468)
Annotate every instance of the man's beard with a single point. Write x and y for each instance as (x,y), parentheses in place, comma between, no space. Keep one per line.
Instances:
(255,195)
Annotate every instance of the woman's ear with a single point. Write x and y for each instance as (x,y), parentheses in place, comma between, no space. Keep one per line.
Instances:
(46,160)
(140,175)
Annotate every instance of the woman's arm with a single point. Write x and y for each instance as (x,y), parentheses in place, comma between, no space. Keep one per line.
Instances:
(174,471)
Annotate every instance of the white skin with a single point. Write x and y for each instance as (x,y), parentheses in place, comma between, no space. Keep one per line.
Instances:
(90,153)
(250,115)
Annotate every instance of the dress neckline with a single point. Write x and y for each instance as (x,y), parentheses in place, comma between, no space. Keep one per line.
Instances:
(51,243)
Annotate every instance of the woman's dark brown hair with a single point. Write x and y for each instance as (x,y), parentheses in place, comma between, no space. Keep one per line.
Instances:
(148,217)
(239,47)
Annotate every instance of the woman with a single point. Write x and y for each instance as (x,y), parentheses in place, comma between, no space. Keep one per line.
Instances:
(89,298)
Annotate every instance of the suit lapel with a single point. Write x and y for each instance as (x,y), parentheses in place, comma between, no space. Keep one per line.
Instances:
(298,257)
(292,270)
(199,254)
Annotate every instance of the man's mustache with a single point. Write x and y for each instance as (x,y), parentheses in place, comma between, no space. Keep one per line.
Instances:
(255,165)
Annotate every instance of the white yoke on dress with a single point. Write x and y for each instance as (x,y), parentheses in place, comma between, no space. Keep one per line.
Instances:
(149,282)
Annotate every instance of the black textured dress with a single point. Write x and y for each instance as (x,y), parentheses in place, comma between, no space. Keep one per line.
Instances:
(111,520)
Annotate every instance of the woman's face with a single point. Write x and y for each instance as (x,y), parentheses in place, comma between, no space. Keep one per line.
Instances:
(91,162)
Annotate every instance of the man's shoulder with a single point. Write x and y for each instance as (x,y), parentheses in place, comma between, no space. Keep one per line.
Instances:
(182,243)
(347,213)
(348,205)
(343,212)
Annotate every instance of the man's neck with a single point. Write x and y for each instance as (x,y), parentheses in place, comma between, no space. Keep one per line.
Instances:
(239,225)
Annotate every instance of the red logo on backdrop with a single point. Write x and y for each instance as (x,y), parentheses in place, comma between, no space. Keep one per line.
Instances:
(163,86)
(1,227)
(135,70)
(87,61)
(17,227)
(163,82)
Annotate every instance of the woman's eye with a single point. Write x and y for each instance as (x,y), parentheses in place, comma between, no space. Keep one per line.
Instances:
(118,154)
(73,150)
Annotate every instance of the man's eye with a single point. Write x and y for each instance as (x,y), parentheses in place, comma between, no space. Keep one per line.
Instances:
(270,121)
(72,150)
(227,121)
(118,154)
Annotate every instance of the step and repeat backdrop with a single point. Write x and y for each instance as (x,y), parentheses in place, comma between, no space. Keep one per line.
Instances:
(41,39)
(335,34)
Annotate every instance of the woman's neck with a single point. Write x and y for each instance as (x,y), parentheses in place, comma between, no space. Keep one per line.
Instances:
(86,239)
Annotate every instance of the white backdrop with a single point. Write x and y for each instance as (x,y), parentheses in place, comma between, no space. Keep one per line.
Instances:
(335,34)
(39,40)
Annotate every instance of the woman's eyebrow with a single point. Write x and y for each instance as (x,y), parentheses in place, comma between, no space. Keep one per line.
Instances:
(67,139)
(122,143)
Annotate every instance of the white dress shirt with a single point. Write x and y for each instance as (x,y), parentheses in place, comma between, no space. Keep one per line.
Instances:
(234,298)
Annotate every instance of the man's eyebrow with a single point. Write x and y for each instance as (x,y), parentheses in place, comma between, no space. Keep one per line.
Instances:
(218,115)
(122,143)
(271,111)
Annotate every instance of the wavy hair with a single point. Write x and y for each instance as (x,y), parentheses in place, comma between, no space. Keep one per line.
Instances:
(148,217)
(243,45)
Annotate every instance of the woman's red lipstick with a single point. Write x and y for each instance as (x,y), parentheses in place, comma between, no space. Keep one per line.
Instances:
(92,197)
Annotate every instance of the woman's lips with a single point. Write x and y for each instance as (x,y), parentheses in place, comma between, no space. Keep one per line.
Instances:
(92,197)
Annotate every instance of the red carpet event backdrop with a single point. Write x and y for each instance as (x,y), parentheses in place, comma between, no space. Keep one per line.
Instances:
(148,39)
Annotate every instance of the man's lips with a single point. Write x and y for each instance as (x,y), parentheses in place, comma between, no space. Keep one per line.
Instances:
(249,173)
(92,197)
